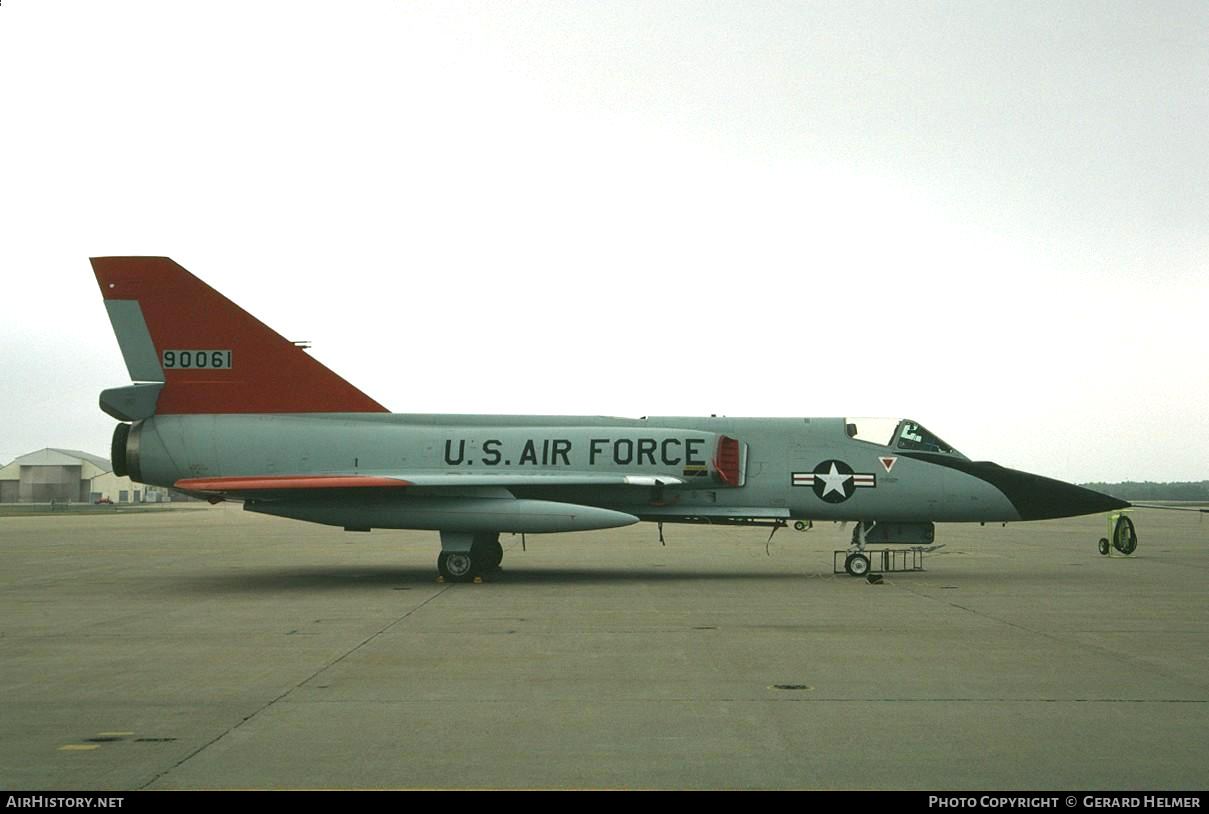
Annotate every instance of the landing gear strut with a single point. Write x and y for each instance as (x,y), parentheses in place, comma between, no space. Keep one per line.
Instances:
(857,563)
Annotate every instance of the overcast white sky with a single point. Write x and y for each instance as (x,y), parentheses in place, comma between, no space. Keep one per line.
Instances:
(992,217)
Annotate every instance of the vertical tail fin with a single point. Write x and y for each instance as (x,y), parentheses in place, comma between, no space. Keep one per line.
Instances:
(210,355)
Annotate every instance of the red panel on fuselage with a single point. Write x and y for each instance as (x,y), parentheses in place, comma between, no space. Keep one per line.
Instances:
(727,460)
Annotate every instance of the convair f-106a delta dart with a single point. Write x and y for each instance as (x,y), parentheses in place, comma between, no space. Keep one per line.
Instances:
(223,408)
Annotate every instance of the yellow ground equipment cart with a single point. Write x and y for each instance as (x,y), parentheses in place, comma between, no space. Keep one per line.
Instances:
(1122,539)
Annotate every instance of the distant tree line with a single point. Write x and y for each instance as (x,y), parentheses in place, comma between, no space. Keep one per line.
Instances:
(1149,490)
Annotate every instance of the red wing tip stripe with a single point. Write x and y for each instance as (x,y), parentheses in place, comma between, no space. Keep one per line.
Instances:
(245,483)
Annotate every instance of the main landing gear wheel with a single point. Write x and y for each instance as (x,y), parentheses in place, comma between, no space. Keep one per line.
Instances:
(487,553)
(459,563)
(1124,536)
(857,565)
(456,566)
(1103,546)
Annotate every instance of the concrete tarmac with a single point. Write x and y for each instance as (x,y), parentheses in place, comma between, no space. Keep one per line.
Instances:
(214,648)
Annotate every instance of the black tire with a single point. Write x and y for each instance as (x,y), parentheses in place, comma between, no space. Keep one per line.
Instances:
(799,526)
(487,552)
(857,565)
(1103,545)
(456,566)
(1124,536)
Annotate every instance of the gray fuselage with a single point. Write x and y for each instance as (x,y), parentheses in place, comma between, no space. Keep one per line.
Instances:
(790,468)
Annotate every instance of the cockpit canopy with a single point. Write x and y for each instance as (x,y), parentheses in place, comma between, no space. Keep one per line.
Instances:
(897,433)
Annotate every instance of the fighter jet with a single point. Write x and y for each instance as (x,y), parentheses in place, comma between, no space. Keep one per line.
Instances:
(223,408)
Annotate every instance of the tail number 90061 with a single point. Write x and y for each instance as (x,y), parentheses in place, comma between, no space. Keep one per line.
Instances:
(197,359)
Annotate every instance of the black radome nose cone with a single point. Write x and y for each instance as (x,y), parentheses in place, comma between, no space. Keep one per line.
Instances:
(1033,497)
(1039,498)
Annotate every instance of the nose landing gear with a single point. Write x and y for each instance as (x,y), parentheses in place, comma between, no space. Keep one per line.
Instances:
(857,563)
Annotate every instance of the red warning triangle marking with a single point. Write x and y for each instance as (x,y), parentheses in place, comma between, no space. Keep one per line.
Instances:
(888,463)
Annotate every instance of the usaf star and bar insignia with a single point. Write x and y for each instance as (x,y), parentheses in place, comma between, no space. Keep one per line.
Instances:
(835,481)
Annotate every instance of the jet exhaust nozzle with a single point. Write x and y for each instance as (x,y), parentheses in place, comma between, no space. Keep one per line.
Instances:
(124,452)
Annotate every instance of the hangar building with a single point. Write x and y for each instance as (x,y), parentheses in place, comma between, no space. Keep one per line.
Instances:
(68,475)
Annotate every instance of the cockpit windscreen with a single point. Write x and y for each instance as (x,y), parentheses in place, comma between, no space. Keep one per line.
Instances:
(899,433)
(873,430)
(913,436)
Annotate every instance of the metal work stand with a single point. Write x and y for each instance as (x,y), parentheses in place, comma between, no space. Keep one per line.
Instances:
(882,560)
